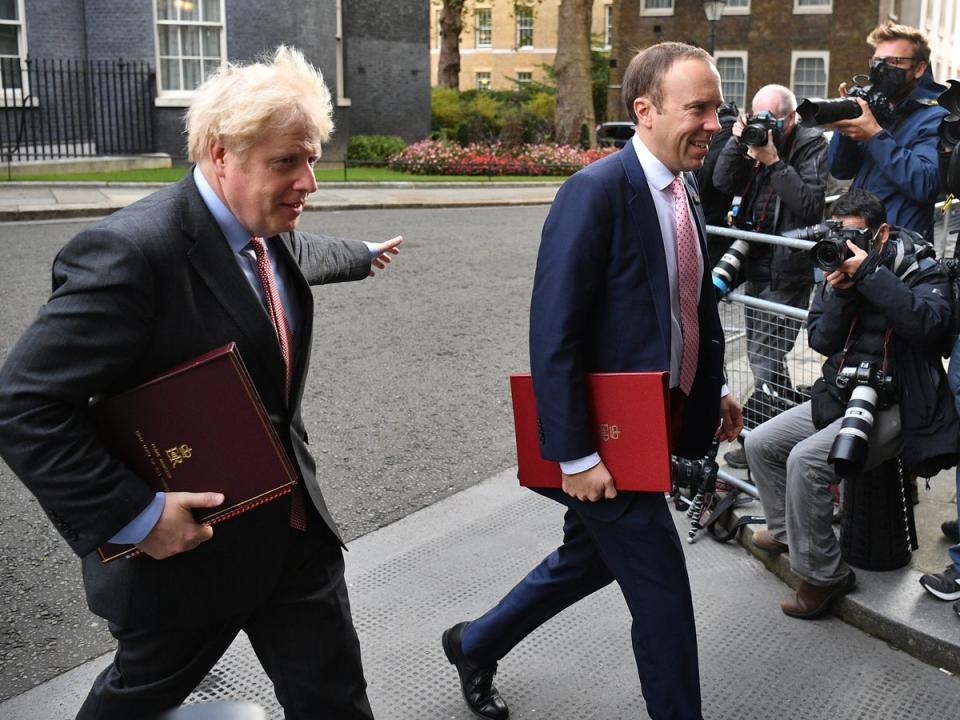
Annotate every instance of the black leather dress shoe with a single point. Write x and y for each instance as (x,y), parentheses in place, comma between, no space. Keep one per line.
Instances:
(476,681)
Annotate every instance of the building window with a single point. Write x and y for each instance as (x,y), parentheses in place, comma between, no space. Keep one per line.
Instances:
(656,7)
(439,29)
(608,26)
(484,22)
(812,6)
(524,27)
(12,47)
(809,72)
(732,67)
(524,77)
(482,80)
(190,44)
(737,7)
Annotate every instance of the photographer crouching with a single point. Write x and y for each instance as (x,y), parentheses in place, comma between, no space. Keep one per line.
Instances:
(779,169)
(890,147)
(881,320)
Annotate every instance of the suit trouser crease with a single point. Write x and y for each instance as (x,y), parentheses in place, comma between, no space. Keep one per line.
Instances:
(304,638)
(788,459)
(641,550)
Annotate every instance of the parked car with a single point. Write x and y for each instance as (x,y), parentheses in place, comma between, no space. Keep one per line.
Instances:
(615,134)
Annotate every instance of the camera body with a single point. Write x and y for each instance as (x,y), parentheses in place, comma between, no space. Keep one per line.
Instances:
(821,112)
(831,250)
(867,384)
(754,133)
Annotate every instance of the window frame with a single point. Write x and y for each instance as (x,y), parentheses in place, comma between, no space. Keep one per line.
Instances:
(744,56)
(477,27)
(799,9)
(796,55)
(656,12)
(476,80)
(736,10)
(608,26)
(181,97)
(14,96)
(526,81)
(526,13)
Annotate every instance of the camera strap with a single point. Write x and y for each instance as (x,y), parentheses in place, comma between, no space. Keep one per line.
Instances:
(887,334)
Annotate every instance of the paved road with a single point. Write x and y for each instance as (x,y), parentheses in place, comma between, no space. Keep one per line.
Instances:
(408,400)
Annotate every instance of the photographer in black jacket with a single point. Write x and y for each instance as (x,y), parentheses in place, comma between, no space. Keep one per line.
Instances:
(782,183)
(889,307)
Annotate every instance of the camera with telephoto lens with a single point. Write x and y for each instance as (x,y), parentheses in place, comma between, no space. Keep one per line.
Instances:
(814,111)
(867,385)
(729,266)
(831,250)
(755,131)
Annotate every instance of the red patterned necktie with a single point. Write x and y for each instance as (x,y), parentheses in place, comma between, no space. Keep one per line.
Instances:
(278,316)
(688,280)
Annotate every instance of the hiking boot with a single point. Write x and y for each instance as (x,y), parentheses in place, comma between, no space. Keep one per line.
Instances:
(949,529)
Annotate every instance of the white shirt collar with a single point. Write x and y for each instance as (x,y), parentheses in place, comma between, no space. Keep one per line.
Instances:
(658,175)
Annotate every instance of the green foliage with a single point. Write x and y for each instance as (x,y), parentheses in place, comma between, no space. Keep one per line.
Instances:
(446,107)
(600,71)
(374,147)
(514,117)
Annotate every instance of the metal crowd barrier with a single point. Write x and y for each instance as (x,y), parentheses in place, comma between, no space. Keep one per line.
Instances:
(775,324)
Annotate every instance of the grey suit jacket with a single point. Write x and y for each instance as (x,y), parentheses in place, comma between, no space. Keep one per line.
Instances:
(139,292)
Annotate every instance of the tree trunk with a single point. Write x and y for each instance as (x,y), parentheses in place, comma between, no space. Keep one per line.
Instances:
(572,66)
(451,21)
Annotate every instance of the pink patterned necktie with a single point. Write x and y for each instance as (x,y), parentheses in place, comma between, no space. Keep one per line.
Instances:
(278,316)
(688,280)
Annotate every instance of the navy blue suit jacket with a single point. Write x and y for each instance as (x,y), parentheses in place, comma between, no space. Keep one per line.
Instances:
(601,303)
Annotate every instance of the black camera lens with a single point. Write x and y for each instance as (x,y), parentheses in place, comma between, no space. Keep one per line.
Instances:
(829,254)
(754,135)
(821,112)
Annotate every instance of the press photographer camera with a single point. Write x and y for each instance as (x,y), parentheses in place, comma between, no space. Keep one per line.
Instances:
(831,249)
(822,112)
(894,157)
(880,320)
(868,387)
(949,132)
(755,131)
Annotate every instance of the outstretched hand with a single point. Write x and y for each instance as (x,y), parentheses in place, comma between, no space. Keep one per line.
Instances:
(176,531)
(386,249)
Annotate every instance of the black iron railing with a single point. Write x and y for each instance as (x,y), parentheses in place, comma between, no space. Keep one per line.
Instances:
(52,108)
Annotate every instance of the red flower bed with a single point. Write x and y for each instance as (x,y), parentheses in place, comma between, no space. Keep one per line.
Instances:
(438,157)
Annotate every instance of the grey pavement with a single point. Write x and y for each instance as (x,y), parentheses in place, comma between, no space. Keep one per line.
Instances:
(38,201)
(411,579)
(450,561)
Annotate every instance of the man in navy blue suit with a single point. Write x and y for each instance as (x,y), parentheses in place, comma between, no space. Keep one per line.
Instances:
(622,284)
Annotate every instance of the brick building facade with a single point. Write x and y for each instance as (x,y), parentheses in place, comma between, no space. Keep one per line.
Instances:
(810,46)
(378,73)
(505,42)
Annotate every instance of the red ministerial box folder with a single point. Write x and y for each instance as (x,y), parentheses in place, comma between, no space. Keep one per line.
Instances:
(631,418)
(198,427)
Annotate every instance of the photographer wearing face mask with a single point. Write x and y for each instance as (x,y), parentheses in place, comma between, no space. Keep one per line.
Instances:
(886,305)
(779,168)
(897,161)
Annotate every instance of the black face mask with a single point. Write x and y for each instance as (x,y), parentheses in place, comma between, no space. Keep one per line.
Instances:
(893,82)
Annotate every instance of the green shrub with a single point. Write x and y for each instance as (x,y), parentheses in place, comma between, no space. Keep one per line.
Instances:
(374,147)
(446,108)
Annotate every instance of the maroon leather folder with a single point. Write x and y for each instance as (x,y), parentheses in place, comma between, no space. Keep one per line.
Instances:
(199,427)
(631,418)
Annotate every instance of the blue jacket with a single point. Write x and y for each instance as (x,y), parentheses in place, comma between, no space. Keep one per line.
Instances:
(601,303)
(899,165)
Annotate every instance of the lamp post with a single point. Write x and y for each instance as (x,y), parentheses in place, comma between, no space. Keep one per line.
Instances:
(713,9)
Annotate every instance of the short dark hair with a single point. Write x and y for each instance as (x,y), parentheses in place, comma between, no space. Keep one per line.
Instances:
(645,73)
(863,204)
